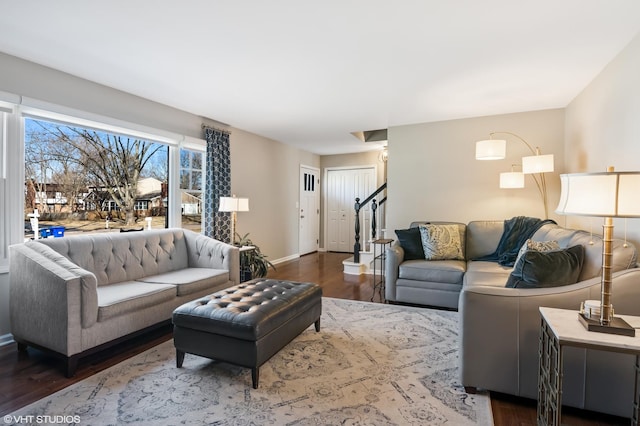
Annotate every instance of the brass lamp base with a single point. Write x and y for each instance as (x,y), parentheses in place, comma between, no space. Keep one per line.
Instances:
(616,326)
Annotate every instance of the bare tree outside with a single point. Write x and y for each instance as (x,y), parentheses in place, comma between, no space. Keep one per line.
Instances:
(115,162)
(77,158)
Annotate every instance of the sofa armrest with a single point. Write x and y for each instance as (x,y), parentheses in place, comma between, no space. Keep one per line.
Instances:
(499,328)
(51,298)
(394,256)
(205,252)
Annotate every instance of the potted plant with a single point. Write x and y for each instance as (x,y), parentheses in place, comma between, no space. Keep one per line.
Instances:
(253,263)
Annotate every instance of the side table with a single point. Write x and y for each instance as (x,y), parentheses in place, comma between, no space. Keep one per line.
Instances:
(378,282)
(560,328)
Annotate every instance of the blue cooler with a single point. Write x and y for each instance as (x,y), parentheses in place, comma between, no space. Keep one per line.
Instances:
(57,231)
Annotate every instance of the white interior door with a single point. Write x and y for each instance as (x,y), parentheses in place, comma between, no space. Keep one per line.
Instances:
(343,186)
(309,230)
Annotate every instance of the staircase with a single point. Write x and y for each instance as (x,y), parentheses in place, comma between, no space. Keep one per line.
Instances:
(362,260)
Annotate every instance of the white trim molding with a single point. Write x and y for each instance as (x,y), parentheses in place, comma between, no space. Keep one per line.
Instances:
(6,339)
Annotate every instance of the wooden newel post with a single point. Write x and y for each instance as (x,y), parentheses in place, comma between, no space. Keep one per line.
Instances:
(374,225)
(356,246)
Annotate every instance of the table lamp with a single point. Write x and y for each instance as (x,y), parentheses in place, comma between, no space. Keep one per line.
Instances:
(233,205)
(608,194)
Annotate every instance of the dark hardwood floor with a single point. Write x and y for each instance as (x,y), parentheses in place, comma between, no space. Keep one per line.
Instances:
(25,379)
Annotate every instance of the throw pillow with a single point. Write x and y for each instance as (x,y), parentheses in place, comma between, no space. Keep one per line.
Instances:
(441,242)
(537,269)
(411,242)
(537,246)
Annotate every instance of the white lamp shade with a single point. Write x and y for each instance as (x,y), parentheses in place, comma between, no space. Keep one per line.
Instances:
(228,204)
(243,204)
(608,194)
(233,204)
(537,164)
(491,149)
(511,180)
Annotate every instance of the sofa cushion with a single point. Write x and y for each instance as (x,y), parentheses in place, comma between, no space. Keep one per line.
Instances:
(443,271)
(120,298)
(441,242)
(547,269)
(411,242)
(190,280)
(486,273)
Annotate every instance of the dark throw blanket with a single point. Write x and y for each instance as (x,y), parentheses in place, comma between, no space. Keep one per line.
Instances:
(517,230)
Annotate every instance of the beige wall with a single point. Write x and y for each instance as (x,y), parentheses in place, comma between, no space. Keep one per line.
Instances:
(267,172)
(603,129)
(433,173)
(27,79)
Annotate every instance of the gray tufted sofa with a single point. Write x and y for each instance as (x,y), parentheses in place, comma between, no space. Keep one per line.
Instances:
(499,326)
(77,294)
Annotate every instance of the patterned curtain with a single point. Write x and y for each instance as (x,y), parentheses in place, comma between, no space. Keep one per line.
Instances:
(217,184)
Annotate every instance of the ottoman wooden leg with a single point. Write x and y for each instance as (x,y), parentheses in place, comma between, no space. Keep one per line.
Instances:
(317,324)
(179,358)
(255,376)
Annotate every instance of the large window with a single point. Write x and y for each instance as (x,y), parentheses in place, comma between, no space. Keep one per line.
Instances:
(90,173)
(88,180)
(4,224)
(191,170)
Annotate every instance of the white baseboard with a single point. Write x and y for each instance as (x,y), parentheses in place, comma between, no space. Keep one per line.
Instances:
(5,339)
(285,259)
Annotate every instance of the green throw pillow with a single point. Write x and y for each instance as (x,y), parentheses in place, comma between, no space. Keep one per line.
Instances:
(411,242)
(537,269)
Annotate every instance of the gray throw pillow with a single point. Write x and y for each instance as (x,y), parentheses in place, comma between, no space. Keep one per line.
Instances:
(537,269)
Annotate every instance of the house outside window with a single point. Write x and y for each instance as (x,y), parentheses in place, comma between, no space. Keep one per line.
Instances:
(141,205)
(191,172)
(79,178)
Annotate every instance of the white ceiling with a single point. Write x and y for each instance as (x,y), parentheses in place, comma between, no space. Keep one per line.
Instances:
(308,73)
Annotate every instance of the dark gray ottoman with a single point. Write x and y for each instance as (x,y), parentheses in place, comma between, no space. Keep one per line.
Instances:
(246,324)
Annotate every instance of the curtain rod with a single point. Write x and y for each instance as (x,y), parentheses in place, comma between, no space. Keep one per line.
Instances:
(204,126)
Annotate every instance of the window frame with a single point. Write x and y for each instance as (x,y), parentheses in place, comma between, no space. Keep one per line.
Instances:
(14,110)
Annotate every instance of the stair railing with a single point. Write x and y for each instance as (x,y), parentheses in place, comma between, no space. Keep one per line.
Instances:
(357,207)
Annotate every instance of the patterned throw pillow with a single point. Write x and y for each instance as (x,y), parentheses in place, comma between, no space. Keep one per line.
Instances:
(441,242)
(542,246)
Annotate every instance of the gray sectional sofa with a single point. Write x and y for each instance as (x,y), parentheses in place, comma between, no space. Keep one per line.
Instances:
(78,294)
(499,326)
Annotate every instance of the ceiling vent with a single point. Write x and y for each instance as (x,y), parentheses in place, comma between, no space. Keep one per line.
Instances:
(371,135)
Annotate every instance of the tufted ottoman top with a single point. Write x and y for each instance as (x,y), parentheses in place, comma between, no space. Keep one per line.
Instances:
(250,310)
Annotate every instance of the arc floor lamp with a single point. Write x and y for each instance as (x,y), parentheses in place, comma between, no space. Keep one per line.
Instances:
(535,165)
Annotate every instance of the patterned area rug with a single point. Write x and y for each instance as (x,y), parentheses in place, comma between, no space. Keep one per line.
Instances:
(370,364)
